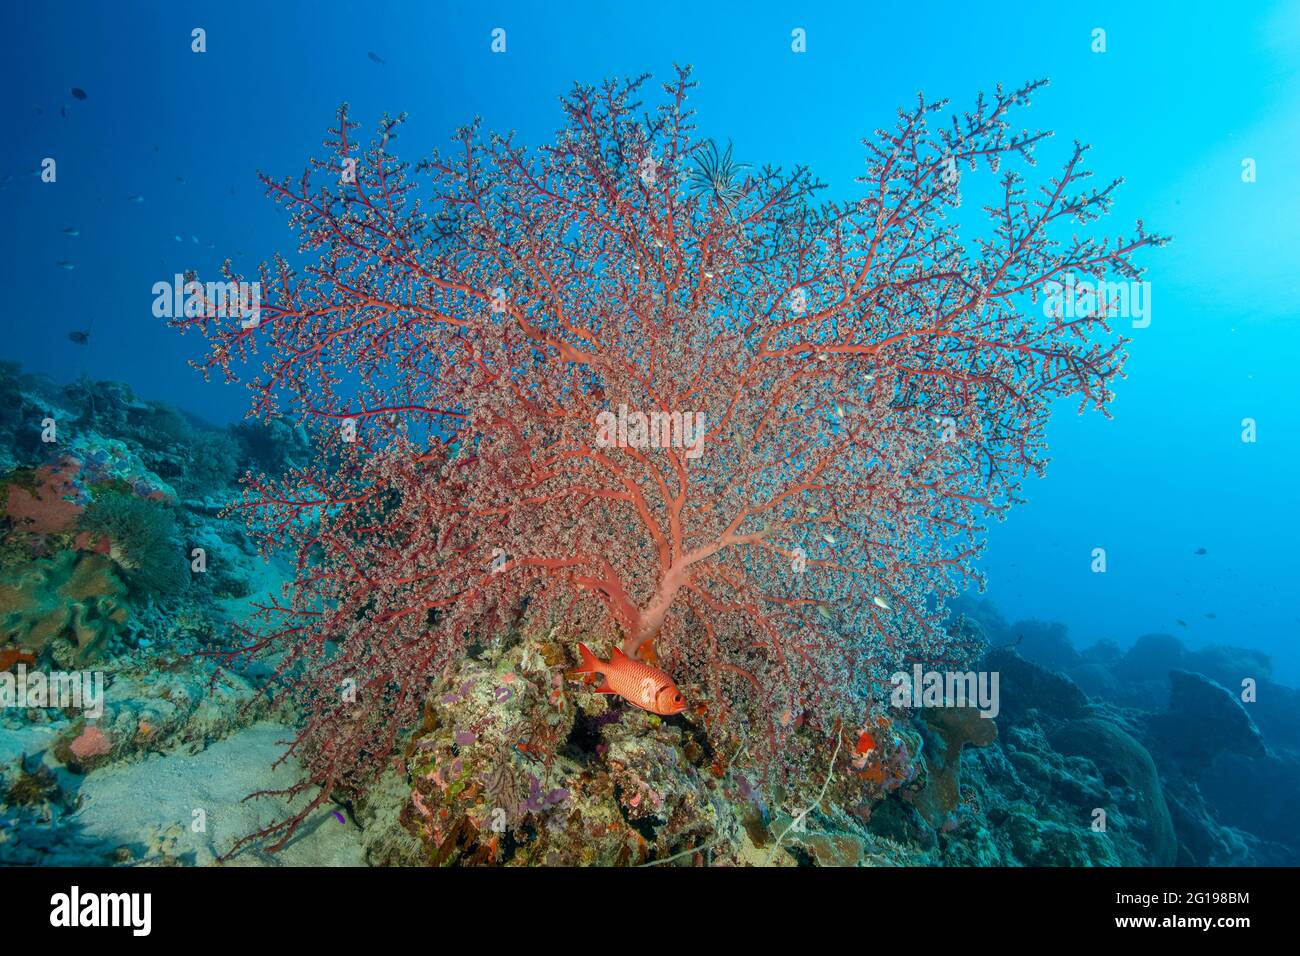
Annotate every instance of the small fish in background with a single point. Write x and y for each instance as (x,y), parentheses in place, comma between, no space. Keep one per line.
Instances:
(80,338)
(194,239)
(65,264)
(1180,622)
(339,817)
(72,231)
(135,199)
(1211,615)
(178,238)
(78,92)
(63,111)
(374,56)
(1200,551)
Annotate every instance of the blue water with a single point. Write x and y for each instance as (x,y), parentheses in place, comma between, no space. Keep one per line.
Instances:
(1184,92)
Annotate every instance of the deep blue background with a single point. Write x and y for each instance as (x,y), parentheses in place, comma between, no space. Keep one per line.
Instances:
(1183,94)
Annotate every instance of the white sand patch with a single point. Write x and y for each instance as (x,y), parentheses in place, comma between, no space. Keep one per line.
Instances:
(149,805)
(27,739)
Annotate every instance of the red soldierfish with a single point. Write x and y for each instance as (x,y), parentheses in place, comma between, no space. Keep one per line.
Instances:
(647,687)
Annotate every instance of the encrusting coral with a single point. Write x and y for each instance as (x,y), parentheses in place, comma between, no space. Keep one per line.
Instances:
(44,500)
(72,605)
(948,730)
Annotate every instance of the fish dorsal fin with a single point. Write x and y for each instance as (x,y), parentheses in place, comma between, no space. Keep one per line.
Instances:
(617,655)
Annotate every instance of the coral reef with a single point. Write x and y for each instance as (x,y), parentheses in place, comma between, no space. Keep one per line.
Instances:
(513,765)
(516,761)
(95,548)
(42,501)
(142,537)
(1179,730)
(630,384)
(1123,762)
(71,605)
(1203,721)
(947,730)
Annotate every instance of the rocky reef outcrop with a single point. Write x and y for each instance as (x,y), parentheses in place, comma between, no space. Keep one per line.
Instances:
(1219,733)
(516,764)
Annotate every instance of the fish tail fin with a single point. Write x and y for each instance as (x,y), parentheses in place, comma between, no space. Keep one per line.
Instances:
(590,663)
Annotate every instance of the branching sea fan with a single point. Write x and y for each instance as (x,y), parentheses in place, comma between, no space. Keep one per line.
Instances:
(749,434)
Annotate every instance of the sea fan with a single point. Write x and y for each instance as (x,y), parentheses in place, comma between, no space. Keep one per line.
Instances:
(468,485)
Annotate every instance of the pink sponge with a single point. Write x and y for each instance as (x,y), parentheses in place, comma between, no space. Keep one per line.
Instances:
(93,742)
